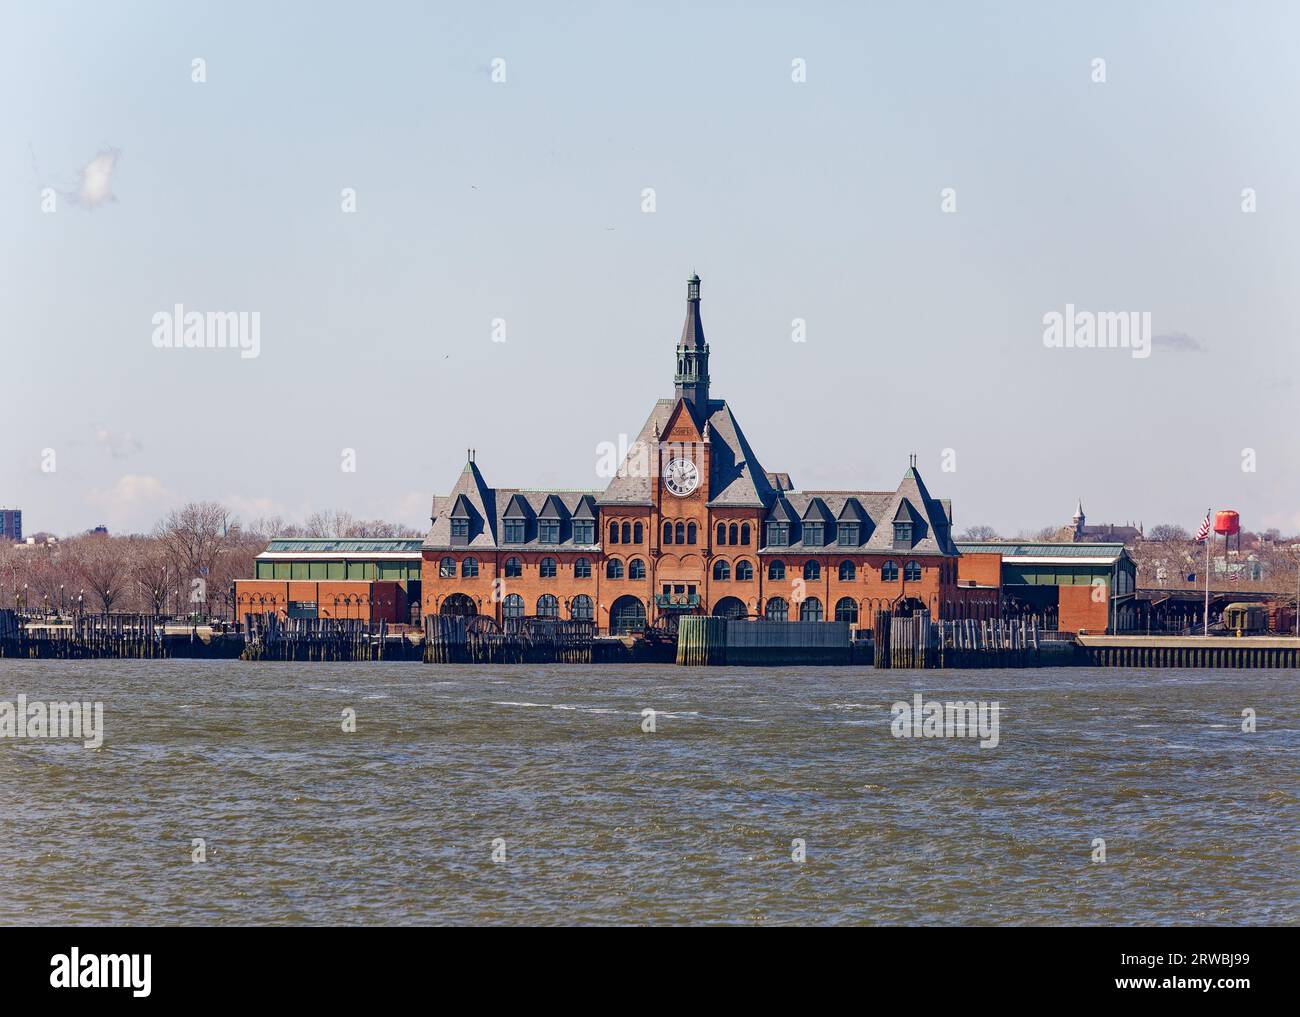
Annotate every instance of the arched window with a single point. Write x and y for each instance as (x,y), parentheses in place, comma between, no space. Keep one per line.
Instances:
(722,533)
(812,570)
(582,568)
(613,533)
(810,610)
(613,569)
(627,533)
(580,608)
(776,570)
(744,571)
(721,571)
(638,533)
(636,569)
(469,568)
(777,609)
(679,533)
(848,571)
(547,569)
(691,533)
(889,572)
(734,533)
(744,534)
(514,568)
(512,606)
(846,610)
(447,568)
(912,571)
(548,606)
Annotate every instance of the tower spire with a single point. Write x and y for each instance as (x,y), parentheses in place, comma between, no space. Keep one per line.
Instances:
(692,378)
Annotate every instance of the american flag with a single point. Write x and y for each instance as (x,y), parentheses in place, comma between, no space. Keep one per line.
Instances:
(1235,576)
(1204,531)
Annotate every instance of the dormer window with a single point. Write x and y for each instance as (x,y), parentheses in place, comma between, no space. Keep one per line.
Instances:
(778,534)
(584,531)
(814,534)
(460,530)
(548,531)
(847,535)
(902,534)
(514,531)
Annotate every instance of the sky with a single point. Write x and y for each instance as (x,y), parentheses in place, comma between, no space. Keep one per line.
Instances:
(944,177)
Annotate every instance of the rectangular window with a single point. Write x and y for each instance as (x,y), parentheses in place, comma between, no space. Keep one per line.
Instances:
(514,531)
(778,534)
(584,531)
(460,531)
(848,534)
(302,609)
(814,534)
(902,534)
(548,531)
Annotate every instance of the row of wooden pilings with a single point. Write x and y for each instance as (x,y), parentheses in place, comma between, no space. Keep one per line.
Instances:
(474,639)
(917,641)
(83,636)
(270,637)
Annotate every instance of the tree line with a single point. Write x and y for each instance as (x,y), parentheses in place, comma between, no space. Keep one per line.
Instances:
(184,567)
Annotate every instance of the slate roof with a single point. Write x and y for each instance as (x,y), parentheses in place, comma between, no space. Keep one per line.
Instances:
(489,507)
(875,512)
(737,478)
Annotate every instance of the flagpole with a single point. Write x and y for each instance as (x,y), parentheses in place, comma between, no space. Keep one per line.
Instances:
(1208,537)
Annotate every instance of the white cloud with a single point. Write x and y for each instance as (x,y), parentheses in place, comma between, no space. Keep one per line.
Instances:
(135,503)
(95,180)
(117,444)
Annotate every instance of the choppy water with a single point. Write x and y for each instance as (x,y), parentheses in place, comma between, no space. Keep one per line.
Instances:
(604,823)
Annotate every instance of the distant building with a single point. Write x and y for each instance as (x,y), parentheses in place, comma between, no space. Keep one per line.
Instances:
(1079,532)
(11,525)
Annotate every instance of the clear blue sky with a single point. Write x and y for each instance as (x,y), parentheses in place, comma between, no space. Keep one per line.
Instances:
(522,200)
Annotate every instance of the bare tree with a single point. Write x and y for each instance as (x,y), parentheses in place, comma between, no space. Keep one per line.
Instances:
(100,561)
(979,533)
(153,573)
(1165,532)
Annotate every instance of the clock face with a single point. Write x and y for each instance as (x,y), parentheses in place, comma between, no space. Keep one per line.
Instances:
(681,477)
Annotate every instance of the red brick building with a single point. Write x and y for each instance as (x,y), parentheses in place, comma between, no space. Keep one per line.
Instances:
(690,523)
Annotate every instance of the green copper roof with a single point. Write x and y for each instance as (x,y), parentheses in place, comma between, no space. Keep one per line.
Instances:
(367,545)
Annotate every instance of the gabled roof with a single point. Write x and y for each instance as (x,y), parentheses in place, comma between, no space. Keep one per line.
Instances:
(817,512)
(553,508)
(737,479)
(462,509)
(518,508)
(852,511)
(782,512)
(471,491)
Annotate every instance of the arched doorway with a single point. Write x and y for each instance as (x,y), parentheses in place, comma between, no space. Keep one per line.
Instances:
(458,604)
(729,607)
(627,615)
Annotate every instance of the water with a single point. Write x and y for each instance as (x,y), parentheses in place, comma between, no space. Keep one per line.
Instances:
(604,823)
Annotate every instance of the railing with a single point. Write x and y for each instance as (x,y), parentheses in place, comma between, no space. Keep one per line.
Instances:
(677,601)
